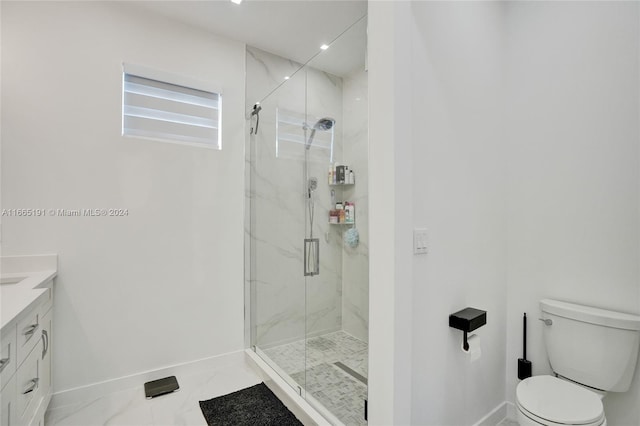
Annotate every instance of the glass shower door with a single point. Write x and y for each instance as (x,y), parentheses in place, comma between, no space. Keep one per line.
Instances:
(337,298)
(308,274)
(277,230)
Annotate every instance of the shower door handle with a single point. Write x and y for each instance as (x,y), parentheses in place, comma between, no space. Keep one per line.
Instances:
(311,257)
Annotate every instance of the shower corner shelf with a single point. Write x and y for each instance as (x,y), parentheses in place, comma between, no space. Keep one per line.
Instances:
(341,184)
(341,223)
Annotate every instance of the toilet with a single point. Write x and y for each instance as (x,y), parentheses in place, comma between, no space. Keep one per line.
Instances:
(591,351)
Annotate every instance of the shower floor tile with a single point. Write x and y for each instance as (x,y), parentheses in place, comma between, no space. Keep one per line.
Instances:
(339,392)
(313,365)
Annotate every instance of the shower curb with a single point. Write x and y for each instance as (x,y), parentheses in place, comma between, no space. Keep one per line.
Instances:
(304,411)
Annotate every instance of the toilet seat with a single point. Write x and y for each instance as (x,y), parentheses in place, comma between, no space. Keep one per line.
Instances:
(548,400)
(532,419)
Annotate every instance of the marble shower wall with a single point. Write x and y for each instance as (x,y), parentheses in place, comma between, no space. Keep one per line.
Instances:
(284,308)
(355,262)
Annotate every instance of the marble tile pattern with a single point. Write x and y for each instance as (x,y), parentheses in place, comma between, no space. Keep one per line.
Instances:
(294,319)
(311,363)
(130,407)
(339,392)
(285,305)
(355,261)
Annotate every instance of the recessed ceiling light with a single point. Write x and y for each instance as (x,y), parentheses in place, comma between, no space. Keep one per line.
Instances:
(286,77)
(324,47)
(236,1)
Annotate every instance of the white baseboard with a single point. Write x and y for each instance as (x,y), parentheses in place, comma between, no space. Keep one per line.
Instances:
(512,411)
(496,415)
(96,390)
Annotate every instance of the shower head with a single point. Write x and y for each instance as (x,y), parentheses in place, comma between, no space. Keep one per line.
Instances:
(324,124)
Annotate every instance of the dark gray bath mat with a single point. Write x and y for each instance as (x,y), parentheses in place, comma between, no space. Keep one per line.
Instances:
(256,405)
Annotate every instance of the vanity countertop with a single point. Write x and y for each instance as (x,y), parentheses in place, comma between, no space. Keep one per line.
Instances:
(21,279)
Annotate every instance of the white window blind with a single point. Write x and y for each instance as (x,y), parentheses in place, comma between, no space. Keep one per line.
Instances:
(291,137)
(169,112)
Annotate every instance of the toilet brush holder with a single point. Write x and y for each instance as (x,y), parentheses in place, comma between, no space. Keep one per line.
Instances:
(524,365)
(524,369)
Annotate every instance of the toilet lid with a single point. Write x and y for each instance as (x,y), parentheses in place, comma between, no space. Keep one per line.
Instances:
(559,401)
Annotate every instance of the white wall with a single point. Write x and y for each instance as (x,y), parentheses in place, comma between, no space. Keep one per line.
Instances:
(164,284)
(458,195)
(574,169)
(523,162)
(389,283)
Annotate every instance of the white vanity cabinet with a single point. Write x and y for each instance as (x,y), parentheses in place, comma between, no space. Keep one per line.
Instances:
(26,375)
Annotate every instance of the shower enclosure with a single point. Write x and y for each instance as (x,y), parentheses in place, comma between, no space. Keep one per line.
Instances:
(306,222)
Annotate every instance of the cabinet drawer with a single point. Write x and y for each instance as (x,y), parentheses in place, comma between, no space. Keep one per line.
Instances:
(28,334)
(29,328)
(8,403)
(45,353)
(27,386)
(8,357)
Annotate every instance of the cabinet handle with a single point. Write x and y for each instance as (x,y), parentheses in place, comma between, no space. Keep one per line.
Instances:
(3,363)
(45,343)
(30,330)
(32,386)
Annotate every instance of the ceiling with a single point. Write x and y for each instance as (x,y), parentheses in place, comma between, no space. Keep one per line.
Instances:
(292,29)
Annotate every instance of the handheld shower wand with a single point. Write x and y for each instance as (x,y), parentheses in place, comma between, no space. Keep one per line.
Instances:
(256,112)
(312,245)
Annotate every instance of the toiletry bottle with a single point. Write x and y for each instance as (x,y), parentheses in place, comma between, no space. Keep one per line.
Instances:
(340,174)
(333,217)
(352,212)
(352,177)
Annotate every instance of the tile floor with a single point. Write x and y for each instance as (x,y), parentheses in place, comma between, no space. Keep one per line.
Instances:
(131,408)
(339,391)
(314,368)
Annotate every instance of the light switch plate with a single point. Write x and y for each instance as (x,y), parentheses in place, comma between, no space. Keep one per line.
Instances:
(419,241)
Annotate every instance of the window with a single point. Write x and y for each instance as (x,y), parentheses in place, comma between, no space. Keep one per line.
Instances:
(168,112)
(293,134)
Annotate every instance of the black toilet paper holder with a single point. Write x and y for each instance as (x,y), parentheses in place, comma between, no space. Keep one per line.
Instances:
(467,320)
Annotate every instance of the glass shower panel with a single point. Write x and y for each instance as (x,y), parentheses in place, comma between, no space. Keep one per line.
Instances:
(277,207)
(308,269)
(337,298)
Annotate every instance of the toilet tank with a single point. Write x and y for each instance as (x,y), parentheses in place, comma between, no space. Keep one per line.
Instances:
(591,346)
